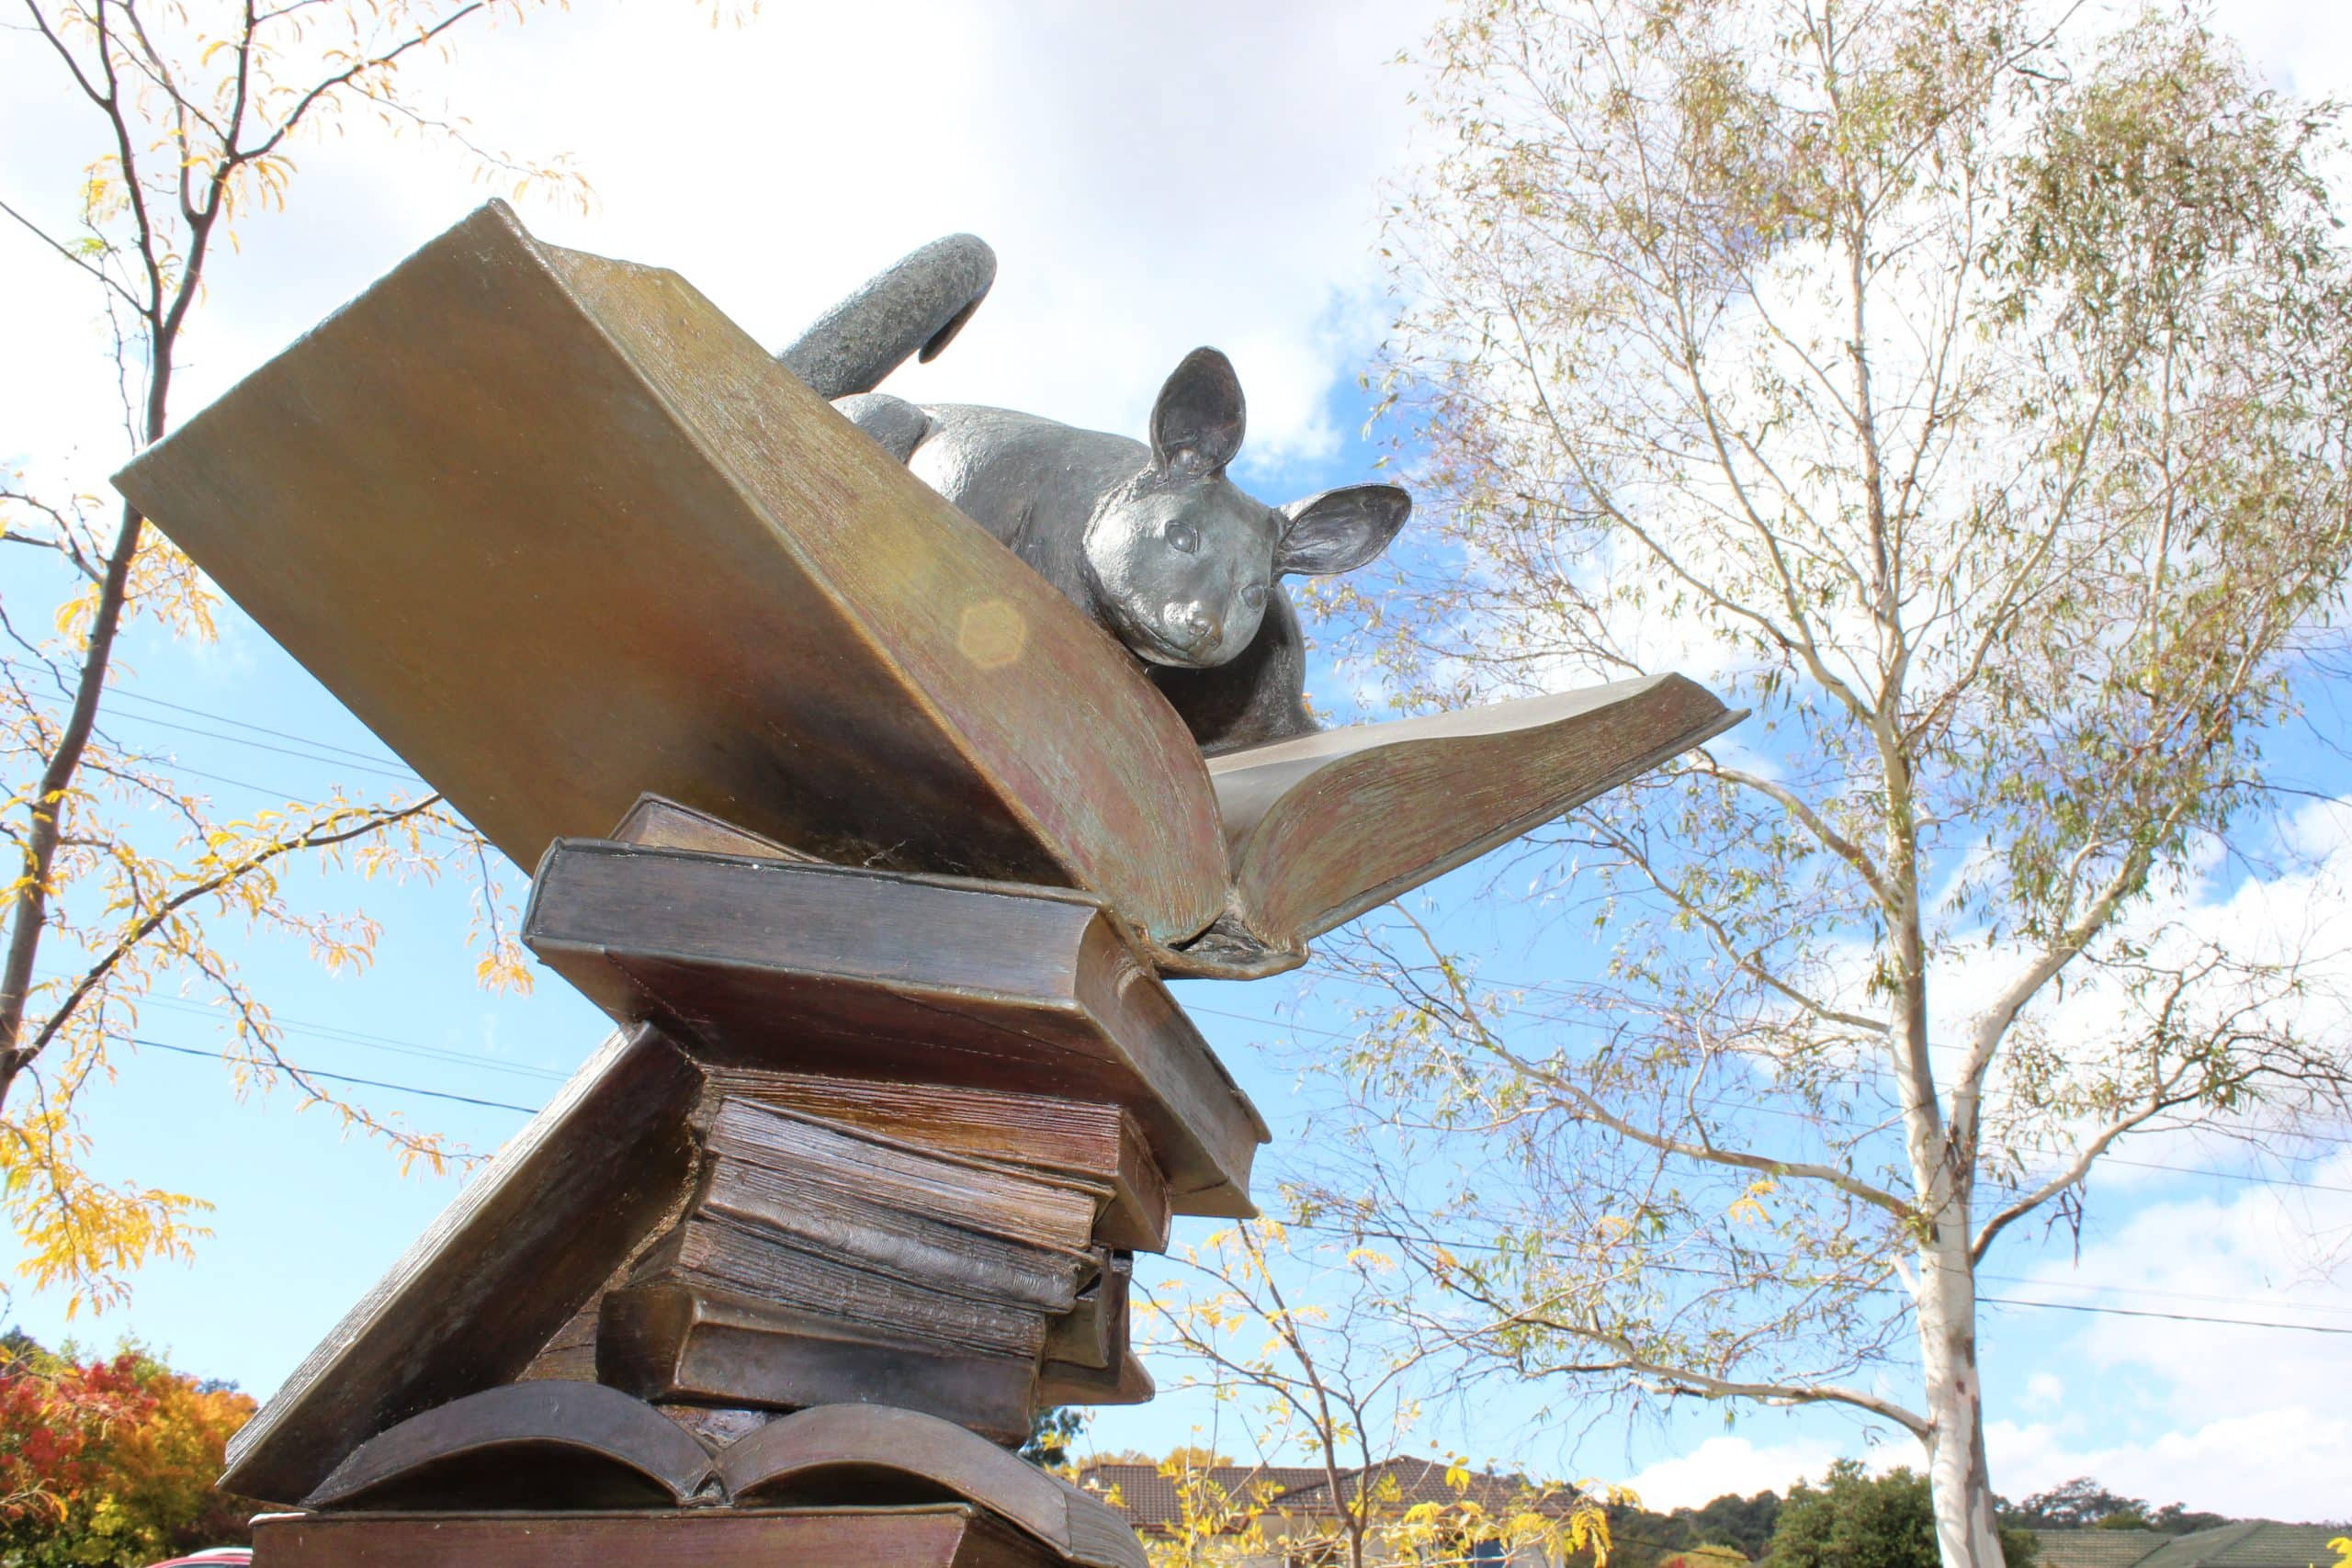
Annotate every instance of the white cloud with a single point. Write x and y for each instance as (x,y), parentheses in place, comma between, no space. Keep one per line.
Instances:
(2217,1415)
(1724,1464)
(2262,1254)
(2286,1462)
(2301,48)
(2044,1389)
(1152,178)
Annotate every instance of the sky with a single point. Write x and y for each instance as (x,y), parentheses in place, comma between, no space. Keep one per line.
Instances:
(1152,178)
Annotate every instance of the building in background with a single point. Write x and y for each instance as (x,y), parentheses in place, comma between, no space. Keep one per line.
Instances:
(1286,1516)
(2256,1545)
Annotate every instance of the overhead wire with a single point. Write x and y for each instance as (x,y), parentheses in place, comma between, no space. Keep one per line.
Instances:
(336,1035)
(1457,1244)
(1453,1244)
(346,1078)
(391,768)
(1801,1116)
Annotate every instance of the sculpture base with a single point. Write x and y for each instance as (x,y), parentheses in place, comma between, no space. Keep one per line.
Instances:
(940,1535)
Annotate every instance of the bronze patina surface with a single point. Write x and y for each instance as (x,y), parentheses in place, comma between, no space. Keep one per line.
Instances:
(561,533)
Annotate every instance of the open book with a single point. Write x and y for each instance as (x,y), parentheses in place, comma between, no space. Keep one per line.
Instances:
(532,1449)
(563,534)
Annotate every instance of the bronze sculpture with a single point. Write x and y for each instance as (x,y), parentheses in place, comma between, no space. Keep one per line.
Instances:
(1153,541)
(875,844)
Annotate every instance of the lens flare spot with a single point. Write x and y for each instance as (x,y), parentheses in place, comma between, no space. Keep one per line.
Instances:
(992,634)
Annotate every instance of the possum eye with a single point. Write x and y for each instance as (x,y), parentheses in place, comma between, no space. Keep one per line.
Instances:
(1254,596)
(1183,536)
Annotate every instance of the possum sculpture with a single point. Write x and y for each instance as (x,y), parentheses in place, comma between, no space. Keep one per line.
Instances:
(1152,540)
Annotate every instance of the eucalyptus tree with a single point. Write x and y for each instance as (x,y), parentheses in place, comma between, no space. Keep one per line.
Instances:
(1963,388)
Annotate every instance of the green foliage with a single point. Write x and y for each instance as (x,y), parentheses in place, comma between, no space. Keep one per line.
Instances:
(110,1463)
(1642,1539)
(2084,1504)
(1744,1522)
(1855,1519)
(1051,1435)
(1707,1557)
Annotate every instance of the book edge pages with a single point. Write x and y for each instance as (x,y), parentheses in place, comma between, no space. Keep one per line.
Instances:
(906,1443)
(1136,1212)
(1265,785)
(1004,1172)
(1102,989)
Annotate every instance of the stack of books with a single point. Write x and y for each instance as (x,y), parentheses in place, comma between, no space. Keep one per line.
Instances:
(880,1270)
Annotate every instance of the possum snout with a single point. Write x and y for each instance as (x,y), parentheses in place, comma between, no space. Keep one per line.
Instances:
(1193,627)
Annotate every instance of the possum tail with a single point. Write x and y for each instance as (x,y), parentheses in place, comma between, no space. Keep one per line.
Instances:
(915,308)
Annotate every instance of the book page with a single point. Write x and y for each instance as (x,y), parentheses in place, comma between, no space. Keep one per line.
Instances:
(1322,828)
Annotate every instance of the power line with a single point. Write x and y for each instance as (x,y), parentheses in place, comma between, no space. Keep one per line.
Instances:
(240,784)
(2330,1308)
(1852,1126)
(401,775)
(391,768)
(388,767)
(341,1036)
(346,1078)
(124,694)
(474,1060)
(2168,1316)
(1682,1268)
(369,757)
(1725,1274)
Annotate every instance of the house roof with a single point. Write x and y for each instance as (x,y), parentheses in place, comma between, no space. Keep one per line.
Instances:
(2258,1545)
(2255,1545)
(2098,1549)
(1418,1481)
(1150,1499)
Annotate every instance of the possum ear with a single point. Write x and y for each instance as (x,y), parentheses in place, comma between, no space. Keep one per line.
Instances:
(1196,425)
(1340,529)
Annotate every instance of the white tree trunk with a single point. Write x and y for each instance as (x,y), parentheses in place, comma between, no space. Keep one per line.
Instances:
(1967,1535)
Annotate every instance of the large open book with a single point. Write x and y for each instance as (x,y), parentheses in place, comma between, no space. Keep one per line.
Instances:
(562,534)
(536,1452)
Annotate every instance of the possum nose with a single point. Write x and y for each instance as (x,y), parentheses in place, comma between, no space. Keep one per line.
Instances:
(1193,627)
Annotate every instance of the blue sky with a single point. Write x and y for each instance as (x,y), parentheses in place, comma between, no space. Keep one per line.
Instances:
(1151,181)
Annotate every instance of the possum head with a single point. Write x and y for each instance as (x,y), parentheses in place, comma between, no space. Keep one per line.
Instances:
(1180,560)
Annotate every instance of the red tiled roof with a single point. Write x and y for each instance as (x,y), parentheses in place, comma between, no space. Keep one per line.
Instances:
(1418,1481)
(1148,1498)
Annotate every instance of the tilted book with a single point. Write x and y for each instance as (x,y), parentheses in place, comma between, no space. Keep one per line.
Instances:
(563,534)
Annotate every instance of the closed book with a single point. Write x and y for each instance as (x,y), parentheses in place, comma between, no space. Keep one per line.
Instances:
(1090,1139)
(784,1147)
(714,1252)
(689,1341)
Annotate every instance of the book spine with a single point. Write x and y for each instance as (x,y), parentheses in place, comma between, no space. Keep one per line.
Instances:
(981,1197)
(721,1254)
(1055,1137)
(913,1248)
